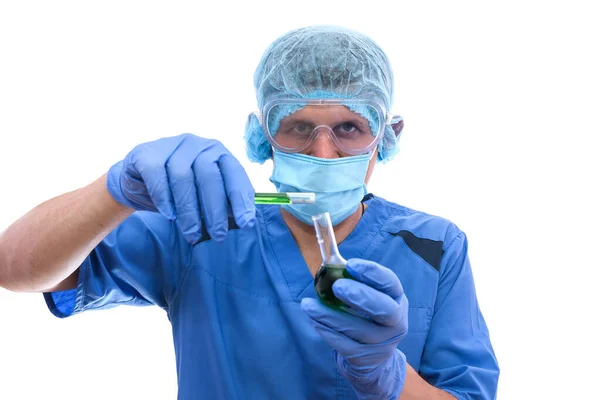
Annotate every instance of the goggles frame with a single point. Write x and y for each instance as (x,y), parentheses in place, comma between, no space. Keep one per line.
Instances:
(385,119)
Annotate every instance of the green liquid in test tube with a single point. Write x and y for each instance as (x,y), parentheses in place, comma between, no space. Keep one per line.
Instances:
(284,198)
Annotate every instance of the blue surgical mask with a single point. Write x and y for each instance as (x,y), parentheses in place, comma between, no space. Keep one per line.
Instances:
(339,183)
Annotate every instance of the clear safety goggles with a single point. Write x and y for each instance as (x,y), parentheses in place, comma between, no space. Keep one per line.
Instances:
(356,126)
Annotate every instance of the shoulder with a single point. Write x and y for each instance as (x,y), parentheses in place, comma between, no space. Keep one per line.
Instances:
(418,223)
(432,237)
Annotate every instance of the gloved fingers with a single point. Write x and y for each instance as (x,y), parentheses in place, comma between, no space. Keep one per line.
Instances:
(376,305)
(340,342)
(377,276)
(239,190)
(183,187)
(149,162)
(354,327)
(211,193)
(361,357)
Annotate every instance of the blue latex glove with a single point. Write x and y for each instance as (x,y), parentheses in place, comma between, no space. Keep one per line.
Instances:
(187,178)
(365,347)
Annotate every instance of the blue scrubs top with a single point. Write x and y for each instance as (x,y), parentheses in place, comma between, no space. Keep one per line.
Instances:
(234,306)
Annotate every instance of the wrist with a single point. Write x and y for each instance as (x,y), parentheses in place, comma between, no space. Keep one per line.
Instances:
(113,186)
(107,202)
(384,382)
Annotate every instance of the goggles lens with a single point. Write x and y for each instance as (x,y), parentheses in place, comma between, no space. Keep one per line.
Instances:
(355,128)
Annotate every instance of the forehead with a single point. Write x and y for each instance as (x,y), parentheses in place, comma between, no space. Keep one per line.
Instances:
(322,112)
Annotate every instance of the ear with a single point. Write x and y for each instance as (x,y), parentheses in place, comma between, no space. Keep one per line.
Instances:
(257,145)
(397,125)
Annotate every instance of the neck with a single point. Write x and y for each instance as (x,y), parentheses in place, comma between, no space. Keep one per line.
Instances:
(305,236)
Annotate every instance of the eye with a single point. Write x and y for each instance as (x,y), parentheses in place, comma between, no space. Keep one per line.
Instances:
(346,129)
(302,128)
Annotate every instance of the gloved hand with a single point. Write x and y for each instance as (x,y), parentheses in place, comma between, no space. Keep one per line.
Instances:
(184,177)
(365,347)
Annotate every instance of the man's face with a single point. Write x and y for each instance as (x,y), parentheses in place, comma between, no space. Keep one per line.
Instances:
(329,131)
(339,119)
(345,124)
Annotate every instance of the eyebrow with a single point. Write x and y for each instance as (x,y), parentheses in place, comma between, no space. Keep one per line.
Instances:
(357,119)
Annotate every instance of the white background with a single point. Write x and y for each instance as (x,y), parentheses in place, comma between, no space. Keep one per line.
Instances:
(501,106)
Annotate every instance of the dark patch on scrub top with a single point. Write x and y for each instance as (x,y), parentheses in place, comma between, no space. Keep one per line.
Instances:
(429,250)
(232,225)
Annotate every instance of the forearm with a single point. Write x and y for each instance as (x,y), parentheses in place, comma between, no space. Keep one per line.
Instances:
(48,244)
(416,388)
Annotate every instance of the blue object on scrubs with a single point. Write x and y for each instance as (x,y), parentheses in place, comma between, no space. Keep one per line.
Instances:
(239,331)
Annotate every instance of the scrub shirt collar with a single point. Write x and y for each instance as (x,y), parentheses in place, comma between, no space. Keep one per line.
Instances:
(285,260)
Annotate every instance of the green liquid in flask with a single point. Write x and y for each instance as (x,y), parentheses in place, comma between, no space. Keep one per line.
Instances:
(324,279)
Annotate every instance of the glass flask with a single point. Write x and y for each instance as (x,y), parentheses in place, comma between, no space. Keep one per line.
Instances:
(333,266)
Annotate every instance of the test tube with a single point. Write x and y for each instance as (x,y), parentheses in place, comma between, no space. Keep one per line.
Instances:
(333,265)
(284,198)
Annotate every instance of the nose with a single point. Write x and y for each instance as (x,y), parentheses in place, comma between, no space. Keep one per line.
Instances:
(323,146)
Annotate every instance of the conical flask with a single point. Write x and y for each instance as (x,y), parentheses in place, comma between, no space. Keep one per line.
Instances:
(333,266)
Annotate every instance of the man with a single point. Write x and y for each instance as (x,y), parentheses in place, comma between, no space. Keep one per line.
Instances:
(174,225)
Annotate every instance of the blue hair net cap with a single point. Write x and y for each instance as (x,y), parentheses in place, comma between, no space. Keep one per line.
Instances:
(321,62)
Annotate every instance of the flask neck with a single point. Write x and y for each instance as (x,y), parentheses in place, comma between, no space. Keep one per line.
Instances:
(330,253)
